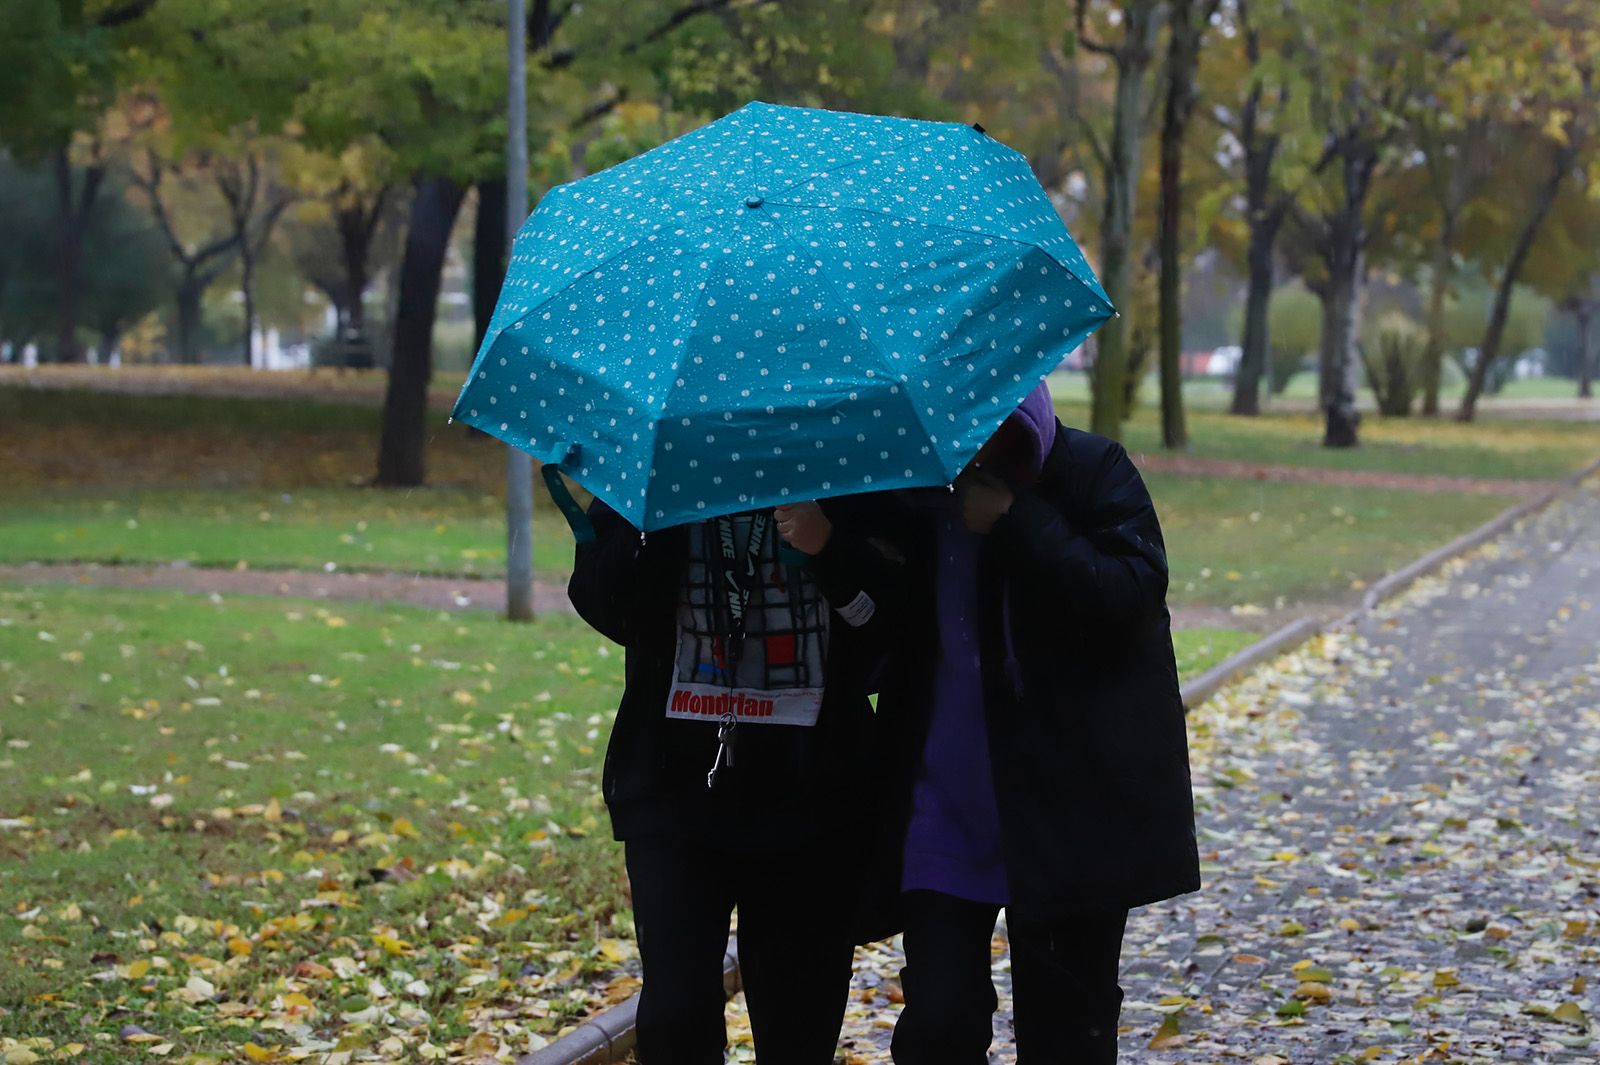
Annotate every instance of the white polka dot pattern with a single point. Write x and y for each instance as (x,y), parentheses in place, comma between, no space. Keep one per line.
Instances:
(785,304)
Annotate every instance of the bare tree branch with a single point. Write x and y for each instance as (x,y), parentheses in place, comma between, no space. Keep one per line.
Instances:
(123,14)
(1081,28)
(598,110)
(150,185)
(1066,76)
(684,14)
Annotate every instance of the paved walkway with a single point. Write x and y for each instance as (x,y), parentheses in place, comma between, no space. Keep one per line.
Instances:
(443,593)
(1401,834)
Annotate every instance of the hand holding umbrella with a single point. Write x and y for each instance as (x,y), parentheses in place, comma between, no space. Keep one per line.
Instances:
(803,527)
(985,498)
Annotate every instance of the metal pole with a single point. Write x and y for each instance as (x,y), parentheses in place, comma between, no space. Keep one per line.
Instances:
(519,465)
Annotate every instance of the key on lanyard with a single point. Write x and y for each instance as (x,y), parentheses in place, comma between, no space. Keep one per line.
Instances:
(725,738)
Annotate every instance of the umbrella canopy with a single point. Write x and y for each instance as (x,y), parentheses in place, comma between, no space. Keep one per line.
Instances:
(785,304)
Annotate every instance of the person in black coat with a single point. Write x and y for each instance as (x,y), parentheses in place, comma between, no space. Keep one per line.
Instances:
(1035,744)
(742,733)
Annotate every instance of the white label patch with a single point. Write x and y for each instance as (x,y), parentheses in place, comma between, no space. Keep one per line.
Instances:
(858,611)
(785,706)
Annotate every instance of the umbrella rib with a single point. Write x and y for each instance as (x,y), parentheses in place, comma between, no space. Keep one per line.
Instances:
(573,280)
(953,229)
(880,154)
(844,307)
(704,208)
(666,393)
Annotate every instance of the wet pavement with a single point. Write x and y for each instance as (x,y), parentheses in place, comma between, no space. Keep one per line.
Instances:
(1400,828)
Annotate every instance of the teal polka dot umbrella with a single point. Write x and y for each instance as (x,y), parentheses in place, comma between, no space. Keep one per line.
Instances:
(785,304)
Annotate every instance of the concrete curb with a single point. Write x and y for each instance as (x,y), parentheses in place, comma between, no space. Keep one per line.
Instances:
(1398,581)
(1219,676)
(610,1035)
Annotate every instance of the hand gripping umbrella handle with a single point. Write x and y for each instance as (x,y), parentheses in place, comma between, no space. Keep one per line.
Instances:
(582,527)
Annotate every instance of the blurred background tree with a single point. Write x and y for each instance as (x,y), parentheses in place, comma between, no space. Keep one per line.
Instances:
(1222,161)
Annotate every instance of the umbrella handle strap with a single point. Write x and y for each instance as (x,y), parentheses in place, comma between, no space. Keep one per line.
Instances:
(792,556)
(582,527)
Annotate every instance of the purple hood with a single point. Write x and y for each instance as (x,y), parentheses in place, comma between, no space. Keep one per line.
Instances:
(1037,414)
(953,837)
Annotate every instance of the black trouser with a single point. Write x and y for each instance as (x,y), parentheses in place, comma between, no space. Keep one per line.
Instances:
(794,949)
(1064,989)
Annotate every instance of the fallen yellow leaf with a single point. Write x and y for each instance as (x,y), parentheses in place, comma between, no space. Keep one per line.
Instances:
(391,944)
(1312,992)
(1168,1035)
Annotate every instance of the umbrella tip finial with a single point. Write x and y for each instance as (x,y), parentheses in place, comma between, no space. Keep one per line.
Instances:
(753,200)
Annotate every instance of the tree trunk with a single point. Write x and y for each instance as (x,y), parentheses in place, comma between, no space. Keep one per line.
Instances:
(1439,286)
(488,252)
(197,268)
(1490,350)
(69,269)
(1111,343)
(247,287)
(1585,365)
(190,290)
(358,227)
(1257,304)
(405,405)
(75,207)
(356,249)
(248,191)
(1343,249)
(1264,213)
(109,338)
(1121,170)
(1339,367)
(1182,58)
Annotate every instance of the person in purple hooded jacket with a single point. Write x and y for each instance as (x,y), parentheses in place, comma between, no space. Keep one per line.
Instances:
(1035,744)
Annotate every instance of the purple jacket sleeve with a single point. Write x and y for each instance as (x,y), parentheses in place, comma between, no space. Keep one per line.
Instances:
(1109,566)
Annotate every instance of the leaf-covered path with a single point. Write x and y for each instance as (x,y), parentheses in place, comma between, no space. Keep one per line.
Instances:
(1400,838)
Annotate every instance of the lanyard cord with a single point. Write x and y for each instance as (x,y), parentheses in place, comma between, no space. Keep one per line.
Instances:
(737,582)
(733,592)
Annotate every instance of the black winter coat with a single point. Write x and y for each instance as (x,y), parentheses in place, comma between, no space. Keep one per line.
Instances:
(788,783)
(1086,727)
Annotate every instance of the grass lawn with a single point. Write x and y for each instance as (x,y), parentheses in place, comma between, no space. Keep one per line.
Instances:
(1231,542)
(1215,393)
(1199,649)
(263,821)
(1501,449)
(108,478)
(96,477)
(1249,544)
(442,530)
(255,825)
